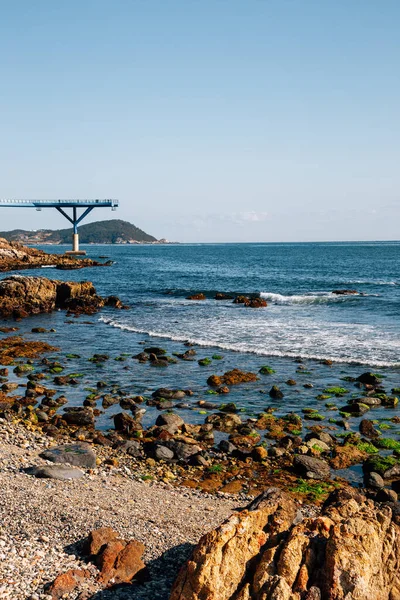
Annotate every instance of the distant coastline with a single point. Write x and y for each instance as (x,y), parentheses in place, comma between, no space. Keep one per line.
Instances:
(113,231)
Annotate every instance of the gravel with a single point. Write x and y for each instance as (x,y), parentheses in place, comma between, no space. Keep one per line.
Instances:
(42,521)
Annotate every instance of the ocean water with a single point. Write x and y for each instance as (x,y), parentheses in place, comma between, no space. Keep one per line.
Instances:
(303,319)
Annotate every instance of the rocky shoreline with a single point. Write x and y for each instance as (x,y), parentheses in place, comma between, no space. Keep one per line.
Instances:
(223,462)
(15,256)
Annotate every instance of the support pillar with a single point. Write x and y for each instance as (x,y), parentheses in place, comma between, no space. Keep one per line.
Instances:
(75,242)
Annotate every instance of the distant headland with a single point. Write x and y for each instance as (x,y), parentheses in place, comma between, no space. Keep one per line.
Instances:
(113,231)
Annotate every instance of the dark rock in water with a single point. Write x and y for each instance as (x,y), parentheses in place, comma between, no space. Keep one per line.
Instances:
(62,472)
(230,407)
(78,455)
(275,392)
(78,416)
(368,400)
(357,408)
(142,357)
(188,355)
(155,350)
(369,379)
(310,467)
(222,296)
(256,302)
(196,297)
(345,292)
(233,377)
(169,394)
(109,400)
(368,430)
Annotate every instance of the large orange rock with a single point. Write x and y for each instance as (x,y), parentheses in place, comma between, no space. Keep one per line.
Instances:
(351,551)
(22,296)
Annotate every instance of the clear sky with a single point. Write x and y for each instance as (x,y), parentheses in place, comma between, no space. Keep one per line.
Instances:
(210,120)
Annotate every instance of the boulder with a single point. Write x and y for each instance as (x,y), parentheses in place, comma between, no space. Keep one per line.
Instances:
(310,467)
(171,420)
(62,472)
(21,296)
(82,416)
(350,551)
(78,455)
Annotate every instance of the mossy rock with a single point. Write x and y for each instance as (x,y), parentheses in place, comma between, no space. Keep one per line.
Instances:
(21,369)
(204,362)
(71,356)
(217,357)
(387,444)
(336,391)
(266,370)
(383,465)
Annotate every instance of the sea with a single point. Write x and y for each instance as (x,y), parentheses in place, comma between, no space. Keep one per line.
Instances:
(303,321)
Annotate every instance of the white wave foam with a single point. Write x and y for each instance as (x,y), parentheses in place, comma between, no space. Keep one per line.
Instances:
(372,282)
(309,298)
(243,347)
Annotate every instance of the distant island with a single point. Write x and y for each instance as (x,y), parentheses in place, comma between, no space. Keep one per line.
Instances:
(113,231)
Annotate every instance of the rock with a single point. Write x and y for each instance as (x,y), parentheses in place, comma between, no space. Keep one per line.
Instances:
(227,447)
(169,394)
(78,455)
(79,416)
(233,377)
(62,472)
(217,568)
(163,453)
(369,379)
(224,421)
(23,296)
(132,448)
(348,552)
(183,451)
(375,481)
(125,423)
(128,563)
(170,419)
(66,583)
(275,392)
(118,560)
(368,400)
(222,296)
(385,495)
(319,444)
(98,539)
(367,429)
(155,350)
(312,468)
(196,297)
(344,292)
(255,302)
(357,409)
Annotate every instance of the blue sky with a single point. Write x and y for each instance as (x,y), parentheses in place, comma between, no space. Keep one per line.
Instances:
(210,120)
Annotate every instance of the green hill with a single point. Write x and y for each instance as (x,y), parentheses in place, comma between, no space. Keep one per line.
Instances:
(101,232)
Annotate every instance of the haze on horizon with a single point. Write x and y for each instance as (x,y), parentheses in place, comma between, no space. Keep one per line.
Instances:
(247,120)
